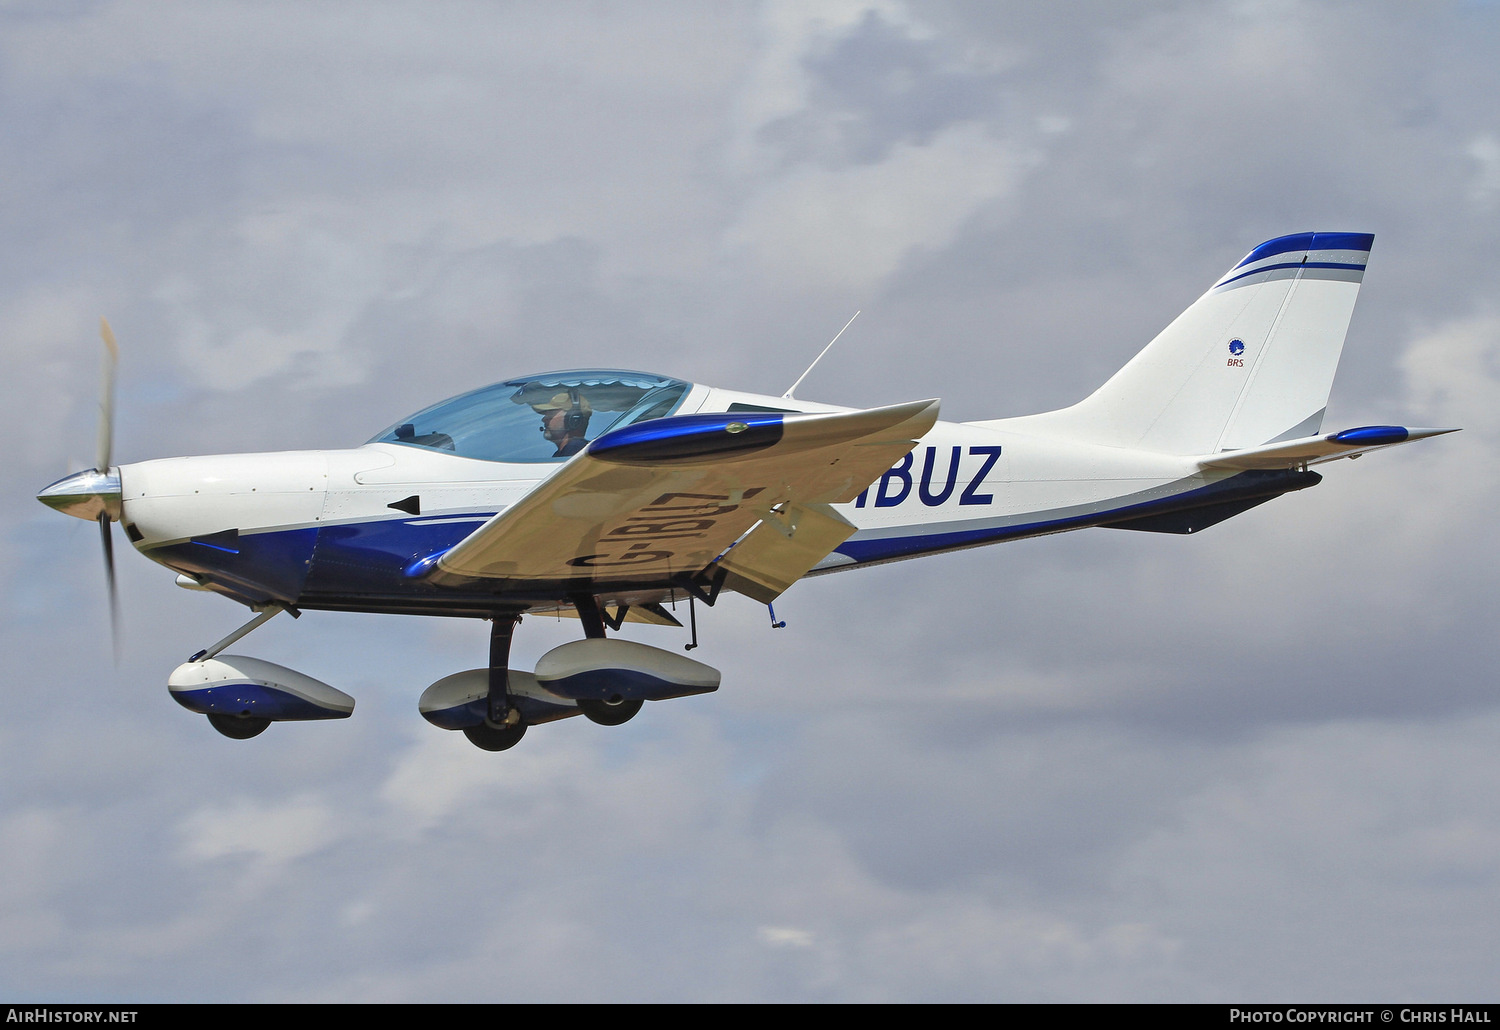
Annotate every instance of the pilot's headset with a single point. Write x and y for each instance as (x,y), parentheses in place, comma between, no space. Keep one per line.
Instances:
(576,411)
(577,418)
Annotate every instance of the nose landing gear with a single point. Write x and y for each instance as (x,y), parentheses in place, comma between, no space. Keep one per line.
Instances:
(496,738)
(238,727)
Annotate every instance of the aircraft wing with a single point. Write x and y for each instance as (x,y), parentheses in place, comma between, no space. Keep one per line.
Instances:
(1312,450)
(664,499)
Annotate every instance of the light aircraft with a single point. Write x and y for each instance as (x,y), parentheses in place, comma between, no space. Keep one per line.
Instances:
(613,494)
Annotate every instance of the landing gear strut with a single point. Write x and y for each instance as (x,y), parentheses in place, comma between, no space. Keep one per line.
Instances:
(504,727)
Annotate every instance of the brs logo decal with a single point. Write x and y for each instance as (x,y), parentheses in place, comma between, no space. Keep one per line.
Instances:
(896,485)
(1236,349)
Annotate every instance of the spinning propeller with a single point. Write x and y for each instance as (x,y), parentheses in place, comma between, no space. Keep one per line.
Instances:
(94,494)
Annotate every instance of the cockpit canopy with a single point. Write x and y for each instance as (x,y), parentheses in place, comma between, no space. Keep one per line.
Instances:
(509,421)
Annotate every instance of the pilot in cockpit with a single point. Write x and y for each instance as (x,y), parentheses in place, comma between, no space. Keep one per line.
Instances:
(565,420)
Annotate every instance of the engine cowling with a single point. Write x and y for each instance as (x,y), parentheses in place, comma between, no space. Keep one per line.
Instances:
(233,685)
(461,701)
(614,670)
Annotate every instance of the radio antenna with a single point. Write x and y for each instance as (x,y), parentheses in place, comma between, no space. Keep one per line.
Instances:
(793,389)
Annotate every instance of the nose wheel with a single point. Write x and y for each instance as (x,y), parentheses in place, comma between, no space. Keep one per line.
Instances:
(239,727)
(496,738)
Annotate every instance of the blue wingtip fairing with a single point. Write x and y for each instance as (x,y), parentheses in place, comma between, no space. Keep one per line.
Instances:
(687,437)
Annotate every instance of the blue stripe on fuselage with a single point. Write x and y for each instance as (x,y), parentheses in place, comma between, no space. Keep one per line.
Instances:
(372,557)
(1266,483)
(266,566)
(368,560)
(342,559)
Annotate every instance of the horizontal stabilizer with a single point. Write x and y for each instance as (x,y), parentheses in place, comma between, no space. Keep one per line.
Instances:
(1312,450)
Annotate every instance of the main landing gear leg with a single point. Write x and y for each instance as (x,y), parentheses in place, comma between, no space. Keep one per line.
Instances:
(505,725)
(589,614)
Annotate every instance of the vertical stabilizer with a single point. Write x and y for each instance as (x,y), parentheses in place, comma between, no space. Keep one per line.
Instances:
(1249,363)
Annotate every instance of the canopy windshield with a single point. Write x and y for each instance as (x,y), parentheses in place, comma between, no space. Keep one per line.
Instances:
(547,417)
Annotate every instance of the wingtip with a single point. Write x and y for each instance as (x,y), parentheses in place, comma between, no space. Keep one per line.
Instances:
(919,414)
(925,411)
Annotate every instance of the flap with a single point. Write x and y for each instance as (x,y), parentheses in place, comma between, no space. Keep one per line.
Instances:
(780,550)
(661,498)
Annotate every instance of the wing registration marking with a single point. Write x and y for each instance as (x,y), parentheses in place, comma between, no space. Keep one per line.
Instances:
(671,517)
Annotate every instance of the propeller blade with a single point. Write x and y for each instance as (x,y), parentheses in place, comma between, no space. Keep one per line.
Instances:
(106,396)
(107,540)
(110,359)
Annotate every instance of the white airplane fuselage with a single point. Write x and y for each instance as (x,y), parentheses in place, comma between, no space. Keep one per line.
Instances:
(318,528)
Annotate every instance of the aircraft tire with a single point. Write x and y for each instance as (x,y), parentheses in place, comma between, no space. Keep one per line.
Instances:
(495,738)
(239,727)
(607,713)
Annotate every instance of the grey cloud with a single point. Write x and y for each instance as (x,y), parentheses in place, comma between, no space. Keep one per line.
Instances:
(1097,766)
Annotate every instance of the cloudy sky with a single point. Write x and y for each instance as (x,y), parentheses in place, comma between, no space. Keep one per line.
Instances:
(1256,764)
